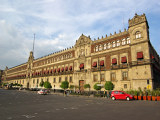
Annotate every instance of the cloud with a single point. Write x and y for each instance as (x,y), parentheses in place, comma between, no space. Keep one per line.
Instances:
(59,23)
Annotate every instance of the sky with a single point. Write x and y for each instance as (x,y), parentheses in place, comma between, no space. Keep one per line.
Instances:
(57,24)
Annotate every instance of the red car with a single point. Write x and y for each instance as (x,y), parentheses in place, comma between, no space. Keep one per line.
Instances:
(115,95)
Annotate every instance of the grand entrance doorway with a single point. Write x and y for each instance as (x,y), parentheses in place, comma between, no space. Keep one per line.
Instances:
(28,85)
(81,85)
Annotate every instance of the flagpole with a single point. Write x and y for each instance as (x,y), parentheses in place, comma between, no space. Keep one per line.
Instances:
(33,43)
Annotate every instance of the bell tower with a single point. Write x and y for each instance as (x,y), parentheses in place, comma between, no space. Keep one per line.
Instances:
(139,35)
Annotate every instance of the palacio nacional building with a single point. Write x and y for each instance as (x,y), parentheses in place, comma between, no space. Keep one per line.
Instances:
(127,59)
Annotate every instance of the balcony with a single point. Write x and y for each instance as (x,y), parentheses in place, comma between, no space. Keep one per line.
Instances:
(100,68)
(133,63)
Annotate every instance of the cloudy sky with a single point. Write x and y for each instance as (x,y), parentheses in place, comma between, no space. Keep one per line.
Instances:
(59,23)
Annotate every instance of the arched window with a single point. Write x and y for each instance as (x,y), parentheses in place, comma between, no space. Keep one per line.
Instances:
(138,34)
(100,47)
(105,46)
(128,40)
(118,43)
(96,48)
(114,44)
(123,41)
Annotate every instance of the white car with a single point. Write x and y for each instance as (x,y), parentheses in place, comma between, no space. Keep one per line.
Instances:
(42,92)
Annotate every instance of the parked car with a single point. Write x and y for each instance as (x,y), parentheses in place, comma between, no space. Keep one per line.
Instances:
(42,92)
(115,95)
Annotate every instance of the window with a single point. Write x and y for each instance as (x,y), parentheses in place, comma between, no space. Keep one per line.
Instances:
(66,78)
(100,47)
(115,92)
(114,44)
(123,42)
(109,45)
(128,40)
(102,77)
(33,81)
(37,81)
(125,75)
(59,79)
(70,80)
(114,61)
(81,66)
(95,78)
(102,63)
(94,64)
(96,48)
(125,86)
(123,60)
(138,35)
(113,76)
(54,80)
(118,43)
(139,55)
(105,46)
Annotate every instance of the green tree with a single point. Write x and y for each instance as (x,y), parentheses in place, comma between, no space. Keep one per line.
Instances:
(64,85)
(87,86)
(109,85)
(47,84)
(96,87)
(71,87)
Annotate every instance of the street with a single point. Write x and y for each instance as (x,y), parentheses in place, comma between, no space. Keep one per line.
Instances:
(23,105)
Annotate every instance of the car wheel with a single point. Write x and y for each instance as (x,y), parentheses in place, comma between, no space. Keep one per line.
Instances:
(113,98)
(128,99)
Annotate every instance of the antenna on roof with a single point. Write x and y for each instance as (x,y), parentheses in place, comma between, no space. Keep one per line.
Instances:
(33,42)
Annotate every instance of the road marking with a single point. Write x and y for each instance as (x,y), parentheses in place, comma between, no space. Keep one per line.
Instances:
(57,109)
(28,116)
(73,108)
(47,111)
(9,118)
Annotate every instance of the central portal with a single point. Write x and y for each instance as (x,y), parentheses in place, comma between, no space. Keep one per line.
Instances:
(81,85)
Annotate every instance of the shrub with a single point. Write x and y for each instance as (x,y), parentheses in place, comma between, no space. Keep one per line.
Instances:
(87,86)
(97,87)
(71,86)
(158,92)
(109,85)
(47,84)
(64,85)
(135,93)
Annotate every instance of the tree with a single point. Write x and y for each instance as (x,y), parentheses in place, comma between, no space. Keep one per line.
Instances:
(109,85)
(87,86)
(97,87)
(41,83)
(47,84)
(64,85)
(71,86)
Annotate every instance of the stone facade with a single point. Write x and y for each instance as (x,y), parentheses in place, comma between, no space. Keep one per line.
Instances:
(126,58)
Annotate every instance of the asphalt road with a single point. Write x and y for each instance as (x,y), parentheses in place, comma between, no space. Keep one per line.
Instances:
(23,105)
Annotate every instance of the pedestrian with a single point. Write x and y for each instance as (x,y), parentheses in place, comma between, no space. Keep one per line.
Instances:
(104,93)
